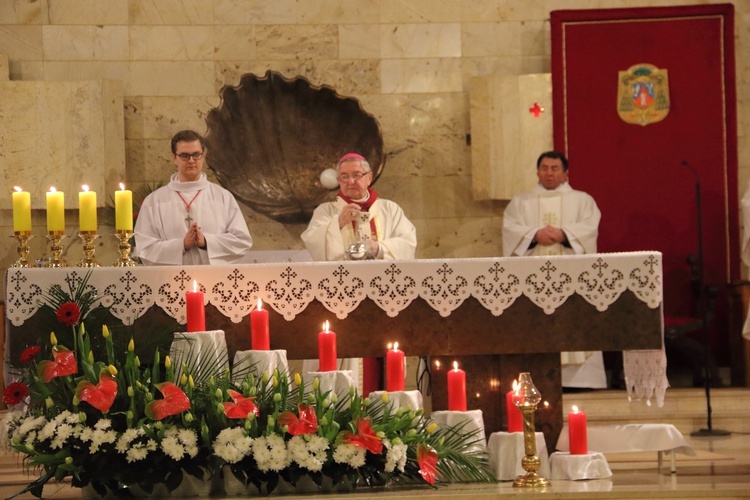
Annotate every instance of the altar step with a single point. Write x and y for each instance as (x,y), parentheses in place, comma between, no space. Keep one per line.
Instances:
(685,408)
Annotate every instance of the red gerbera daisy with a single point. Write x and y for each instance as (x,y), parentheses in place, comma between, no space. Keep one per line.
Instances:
(28,354)
(68,313)
(15,393)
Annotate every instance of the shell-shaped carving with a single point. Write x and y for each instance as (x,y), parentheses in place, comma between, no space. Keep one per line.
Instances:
(271,137)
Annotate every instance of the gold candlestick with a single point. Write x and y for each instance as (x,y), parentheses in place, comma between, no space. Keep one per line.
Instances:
(22,237)
(55,249)
(527,397)
(88,238)
(124,249)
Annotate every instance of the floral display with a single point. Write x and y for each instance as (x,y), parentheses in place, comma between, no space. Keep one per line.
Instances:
(93,411)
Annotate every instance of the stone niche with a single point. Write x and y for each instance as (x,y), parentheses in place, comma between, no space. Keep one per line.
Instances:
(61,134)
(507,136)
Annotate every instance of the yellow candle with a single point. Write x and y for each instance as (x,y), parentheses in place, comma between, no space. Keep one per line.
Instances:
(87,209)
(21,210)
(55,211)
(123,209)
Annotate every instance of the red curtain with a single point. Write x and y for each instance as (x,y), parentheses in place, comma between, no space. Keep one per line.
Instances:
(636,173)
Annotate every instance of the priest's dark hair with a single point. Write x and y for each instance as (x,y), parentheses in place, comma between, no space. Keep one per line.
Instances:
(187,136)
(555,155)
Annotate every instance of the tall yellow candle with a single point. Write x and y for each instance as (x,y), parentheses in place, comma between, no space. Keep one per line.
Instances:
(55,211)
(123,209)
(87,209)
(21,210)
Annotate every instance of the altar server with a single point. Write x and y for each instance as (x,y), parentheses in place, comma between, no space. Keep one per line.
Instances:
(190,220)
(555,219)
(359,215)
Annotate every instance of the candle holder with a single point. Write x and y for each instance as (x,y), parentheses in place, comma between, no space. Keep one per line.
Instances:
(22,237)
(527,397)
(55,249)
(88,238)
(124,249)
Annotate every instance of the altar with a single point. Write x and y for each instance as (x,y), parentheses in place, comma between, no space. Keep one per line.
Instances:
(496,316)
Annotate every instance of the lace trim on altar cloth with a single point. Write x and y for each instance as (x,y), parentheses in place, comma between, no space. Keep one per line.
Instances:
(646,374)
(393,285)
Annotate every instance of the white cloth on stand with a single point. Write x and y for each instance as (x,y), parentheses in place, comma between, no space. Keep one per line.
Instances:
(592,465)
(199,348)
(506,451)
(257,362)
(469,422)
(400,399)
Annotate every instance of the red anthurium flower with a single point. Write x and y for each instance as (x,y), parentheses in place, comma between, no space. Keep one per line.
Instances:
(241,407)
(28,354)
(63,364)
(427,459)
(100,396)
(365,437)
(68,313)
(175,402)
(306,423)
(15,393)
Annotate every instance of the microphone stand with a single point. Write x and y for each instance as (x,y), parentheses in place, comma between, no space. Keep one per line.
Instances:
(709,431)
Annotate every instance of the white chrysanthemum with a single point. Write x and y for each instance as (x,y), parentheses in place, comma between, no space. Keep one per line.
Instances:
(30,438)
(189,439)
(48,431)
(231,445)
(64,432)
(171,445)
(137,452)
(395,457)
(349,454)
(309,452)
(29,425)
(100,437)
(127,437)
(9,422)
(270,453)
(103,424)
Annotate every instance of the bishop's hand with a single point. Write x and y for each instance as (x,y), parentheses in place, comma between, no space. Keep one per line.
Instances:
(348,214)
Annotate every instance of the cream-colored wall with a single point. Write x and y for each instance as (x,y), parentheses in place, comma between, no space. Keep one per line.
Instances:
(408,61)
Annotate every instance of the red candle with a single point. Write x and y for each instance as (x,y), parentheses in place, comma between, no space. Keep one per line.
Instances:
(327,350)
(394,369)
(579,443)
(196,313)
(456,389)
(514,416)
(259,336)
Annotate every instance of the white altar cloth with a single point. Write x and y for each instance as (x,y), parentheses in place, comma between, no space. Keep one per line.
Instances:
(444,284)
(257,362)
(506,450)
(592,465)
(197,348)
(467,422)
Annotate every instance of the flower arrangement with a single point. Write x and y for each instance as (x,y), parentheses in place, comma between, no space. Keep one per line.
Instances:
(94,412)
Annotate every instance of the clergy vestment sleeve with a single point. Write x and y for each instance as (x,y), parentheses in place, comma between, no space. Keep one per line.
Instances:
(518,234)
(400,240)
(151,246)
(229,246)
(584,230)
(323,237)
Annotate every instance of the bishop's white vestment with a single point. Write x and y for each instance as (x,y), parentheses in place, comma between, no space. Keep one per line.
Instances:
(384,222)
(163,222)
(576,213)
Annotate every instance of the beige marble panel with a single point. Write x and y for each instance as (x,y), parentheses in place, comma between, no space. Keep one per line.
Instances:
(163,78)
(234,43)
(270,235)
(347,77)
(26,70)
(338,11)
(391,111)
(420,11)
(88,70)
(88,11)
(421,75)
(255,12)
(85,43)
(162,117)
(297,41)
(171,12)
(513,10)
(148,161)
(434,156)
(4,67)
(21,42)
(438,114)
(458,238)
(171,43)
(505,65)
(63,134)
(22,12)
(506,137)
(359,41)
(420,40)
(492,39)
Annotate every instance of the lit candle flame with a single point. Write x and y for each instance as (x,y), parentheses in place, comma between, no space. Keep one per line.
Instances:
(575,409)
(395,346)
(477,395)
(455,365)
(52,189)
(325,326)
(195,286)
(122,187)
(437,364)
(515,385)
(85,187)
(18,189)
(260,304)
(546,404)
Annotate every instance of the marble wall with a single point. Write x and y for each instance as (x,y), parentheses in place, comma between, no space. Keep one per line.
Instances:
(410,62)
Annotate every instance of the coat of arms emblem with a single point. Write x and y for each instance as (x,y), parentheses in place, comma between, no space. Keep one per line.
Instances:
(643,94)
